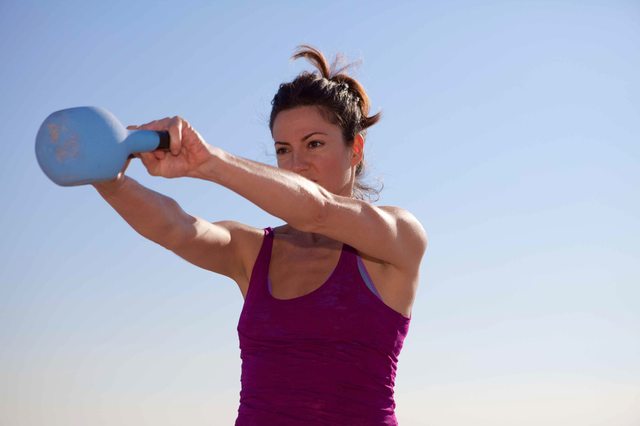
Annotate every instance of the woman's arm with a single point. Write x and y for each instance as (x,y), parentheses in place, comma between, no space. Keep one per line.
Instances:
(219,247)
(389,234)
(151,214)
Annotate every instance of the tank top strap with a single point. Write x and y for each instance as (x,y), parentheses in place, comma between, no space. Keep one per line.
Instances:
(347,266)
(267,242)
(260,272)
(353,262)
(350,256)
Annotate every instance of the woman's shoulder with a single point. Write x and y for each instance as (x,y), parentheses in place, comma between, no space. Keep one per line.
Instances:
(396,211)
(246,239)
(244,243)
(409,231)
(241,230)
(405,217)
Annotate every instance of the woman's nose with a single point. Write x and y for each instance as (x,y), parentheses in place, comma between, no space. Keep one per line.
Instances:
(299,162)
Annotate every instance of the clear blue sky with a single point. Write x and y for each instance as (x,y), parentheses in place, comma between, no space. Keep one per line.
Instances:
(510,130)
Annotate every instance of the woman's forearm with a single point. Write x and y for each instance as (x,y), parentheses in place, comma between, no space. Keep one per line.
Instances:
(282,193)
(153,215)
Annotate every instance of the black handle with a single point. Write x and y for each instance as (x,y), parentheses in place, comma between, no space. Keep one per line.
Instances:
(164,140)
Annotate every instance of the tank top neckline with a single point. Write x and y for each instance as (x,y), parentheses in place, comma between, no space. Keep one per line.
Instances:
(341,259)
(345,251)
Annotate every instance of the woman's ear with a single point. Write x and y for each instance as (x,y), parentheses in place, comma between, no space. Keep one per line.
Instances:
(357,150)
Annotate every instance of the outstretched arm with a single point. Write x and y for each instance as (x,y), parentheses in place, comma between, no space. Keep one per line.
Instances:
(389,234)
(212,246)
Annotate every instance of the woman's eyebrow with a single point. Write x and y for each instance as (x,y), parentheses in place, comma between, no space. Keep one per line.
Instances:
(303,139)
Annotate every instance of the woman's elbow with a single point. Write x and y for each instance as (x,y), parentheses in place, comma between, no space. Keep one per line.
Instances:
(313,216)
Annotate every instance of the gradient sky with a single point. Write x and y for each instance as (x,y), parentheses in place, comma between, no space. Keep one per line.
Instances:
(510,129)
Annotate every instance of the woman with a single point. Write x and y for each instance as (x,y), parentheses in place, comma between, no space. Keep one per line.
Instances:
(328,295)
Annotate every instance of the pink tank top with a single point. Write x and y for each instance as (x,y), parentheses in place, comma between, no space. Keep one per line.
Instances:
(326,358)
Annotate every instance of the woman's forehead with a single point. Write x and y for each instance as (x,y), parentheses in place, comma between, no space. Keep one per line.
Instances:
(300,121)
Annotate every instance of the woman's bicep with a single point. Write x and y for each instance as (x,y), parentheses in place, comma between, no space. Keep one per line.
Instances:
(390,234)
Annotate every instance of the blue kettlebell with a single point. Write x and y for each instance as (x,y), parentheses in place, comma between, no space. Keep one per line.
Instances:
(83,145)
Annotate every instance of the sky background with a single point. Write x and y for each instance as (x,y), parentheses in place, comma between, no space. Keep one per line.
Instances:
(510,129)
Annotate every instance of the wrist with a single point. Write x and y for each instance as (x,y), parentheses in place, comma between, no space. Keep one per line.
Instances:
(110,187)
(209,169)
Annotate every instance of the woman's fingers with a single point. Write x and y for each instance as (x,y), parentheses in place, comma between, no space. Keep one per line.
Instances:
(152,125)
(151,161)
(175,135)
(161,162)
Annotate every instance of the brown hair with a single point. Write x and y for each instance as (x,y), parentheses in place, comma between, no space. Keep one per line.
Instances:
(342,100)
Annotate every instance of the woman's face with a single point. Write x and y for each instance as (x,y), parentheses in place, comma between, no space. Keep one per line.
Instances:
(309,145)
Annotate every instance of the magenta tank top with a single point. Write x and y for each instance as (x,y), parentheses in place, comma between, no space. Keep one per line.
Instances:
(326,358)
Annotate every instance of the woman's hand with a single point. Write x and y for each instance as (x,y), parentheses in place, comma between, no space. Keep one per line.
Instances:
(188,153)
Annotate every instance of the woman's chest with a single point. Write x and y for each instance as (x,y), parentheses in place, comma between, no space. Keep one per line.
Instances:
(295,272)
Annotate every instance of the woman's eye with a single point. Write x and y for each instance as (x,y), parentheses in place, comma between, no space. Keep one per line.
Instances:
(281,151)
(315,144)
